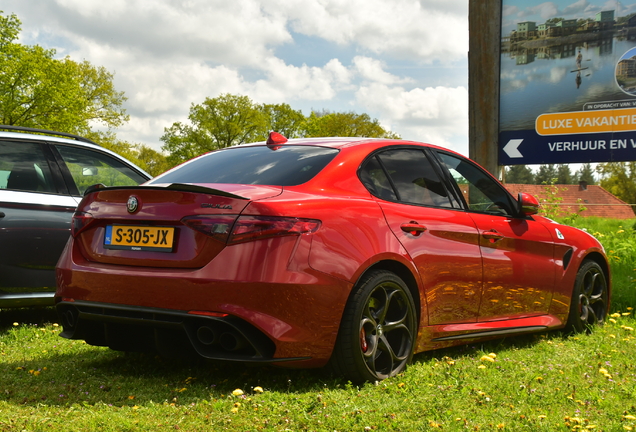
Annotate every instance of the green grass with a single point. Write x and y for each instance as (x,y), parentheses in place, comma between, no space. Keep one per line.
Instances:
(550,382)
(619,240)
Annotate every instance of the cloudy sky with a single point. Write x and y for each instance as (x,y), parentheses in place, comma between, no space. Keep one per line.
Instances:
(403,62)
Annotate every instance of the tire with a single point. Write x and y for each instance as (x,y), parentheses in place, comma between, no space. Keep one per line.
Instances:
(590,298)
(378,330)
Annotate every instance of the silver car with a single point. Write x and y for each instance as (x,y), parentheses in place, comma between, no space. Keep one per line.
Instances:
(43,175)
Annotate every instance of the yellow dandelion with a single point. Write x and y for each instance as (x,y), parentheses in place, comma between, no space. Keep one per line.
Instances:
(237,392)
(237,404)
(501,426)
(258,389)
(15,324)
(615,315)
(481,367)
(627,328)
(630,308)
(539,378)
(36,373)
(492,355)
(626,313)
(131,397)
(434,424)
(629,417)
(612,320)
(487,358)
(135,407)
(234,410)
(628,427)
(612,336)
(542,416)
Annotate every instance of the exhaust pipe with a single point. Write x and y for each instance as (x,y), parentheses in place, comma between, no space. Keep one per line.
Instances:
(207,335)
(68,319)
(232,341)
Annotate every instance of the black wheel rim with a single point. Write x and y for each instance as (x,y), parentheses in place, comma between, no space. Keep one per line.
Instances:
(592,297)
(386,330)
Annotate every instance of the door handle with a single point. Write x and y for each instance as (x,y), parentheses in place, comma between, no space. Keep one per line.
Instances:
(2,214)
(492,235)
(413,228)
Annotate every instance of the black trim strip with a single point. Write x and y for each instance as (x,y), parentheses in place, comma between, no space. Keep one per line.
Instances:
(497,332)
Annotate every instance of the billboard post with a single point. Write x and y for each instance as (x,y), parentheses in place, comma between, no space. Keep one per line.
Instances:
(484,27)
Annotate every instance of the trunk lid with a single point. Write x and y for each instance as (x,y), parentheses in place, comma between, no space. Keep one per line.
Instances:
(155,226)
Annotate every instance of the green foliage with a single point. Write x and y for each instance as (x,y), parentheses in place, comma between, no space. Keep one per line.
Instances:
(151,161)
(547,174)
(38,90)
(216,123)
(284,120)
(551,205)
(619,178)
(231,120)
(564,175)
(347,124)
(619,240)
(519,174)
(586,174)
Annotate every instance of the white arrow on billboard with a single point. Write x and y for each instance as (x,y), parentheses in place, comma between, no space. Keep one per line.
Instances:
(511,148)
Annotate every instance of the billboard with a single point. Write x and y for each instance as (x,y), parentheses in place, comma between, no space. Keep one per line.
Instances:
(567,82)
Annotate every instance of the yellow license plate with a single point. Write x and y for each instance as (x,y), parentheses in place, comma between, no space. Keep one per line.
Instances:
(139,238)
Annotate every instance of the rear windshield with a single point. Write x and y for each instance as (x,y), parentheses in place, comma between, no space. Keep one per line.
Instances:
(285,166)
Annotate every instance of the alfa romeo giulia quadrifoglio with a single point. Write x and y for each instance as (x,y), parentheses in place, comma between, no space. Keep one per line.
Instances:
(349,252)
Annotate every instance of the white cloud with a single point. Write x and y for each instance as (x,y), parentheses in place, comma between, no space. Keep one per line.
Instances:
(168,54)
(373,70)
(438,115)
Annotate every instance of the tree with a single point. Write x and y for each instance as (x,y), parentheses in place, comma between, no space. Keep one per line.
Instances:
(347,124)
(283,119)
(619,178)
(151,161)
(38,90)
(519,174)
(547,174)
(231,120)
(216,123)
(586,174)
(564,175)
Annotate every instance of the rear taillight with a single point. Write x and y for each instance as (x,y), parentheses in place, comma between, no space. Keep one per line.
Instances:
(216,226)
(249,228)
(79,222)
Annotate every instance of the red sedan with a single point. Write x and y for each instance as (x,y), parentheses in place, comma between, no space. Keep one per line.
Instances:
(350,251)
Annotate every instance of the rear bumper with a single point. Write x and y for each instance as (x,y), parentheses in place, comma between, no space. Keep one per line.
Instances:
(170,333)
(285,311)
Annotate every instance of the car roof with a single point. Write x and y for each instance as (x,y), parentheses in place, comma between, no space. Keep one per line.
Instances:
(344,142)
(81,142)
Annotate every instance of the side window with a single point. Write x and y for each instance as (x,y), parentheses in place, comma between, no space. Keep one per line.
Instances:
(89,167)
(481,192)
(375,180)
(24,167)
(413,177)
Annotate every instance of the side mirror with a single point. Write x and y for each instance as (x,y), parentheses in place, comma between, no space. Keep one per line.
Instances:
(89,171)
(528,205)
